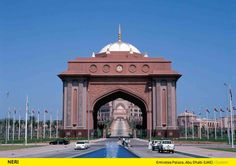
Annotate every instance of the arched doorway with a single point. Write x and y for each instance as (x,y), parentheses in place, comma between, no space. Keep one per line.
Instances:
(125,96)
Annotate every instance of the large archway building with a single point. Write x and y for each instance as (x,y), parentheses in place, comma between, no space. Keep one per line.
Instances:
(119,70)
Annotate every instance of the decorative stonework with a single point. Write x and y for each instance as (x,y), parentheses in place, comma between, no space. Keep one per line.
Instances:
(98,91)
(119,68)
(145,68)
(106,68)
(132,68)
(93,68)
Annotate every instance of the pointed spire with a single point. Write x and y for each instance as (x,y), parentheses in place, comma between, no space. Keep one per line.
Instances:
(93,55)
(119,34)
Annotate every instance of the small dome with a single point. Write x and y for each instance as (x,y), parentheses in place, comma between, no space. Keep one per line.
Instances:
(119,46)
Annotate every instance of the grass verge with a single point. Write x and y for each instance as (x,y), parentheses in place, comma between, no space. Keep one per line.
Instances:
(223,149)
(14,147)
(41,140)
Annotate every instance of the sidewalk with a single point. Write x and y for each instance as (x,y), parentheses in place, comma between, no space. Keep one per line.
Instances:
(205,152)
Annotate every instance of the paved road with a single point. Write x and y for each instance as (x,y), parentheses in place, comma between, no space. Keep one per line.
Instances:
(61,151)
(192,150)
(119,128)
(139,147)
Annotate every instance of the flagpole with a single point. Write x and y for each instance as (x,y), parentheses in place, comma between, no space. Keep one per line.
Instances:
(231,121)
(228,126)
(200,129)
(57,126)
(200,125)
(50,130)
(8,124)
(221,131)
(38,126)
(186,134)
(215,124)
(26,119)
(207,125)
(19,128)
(44,124)
(31,125)
(192,127)
(231,115)
(13,128)
(7,119)
(6,127)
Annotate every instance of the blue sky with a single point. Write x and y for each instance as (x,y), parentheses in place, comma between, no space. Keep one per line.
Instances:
(37,38)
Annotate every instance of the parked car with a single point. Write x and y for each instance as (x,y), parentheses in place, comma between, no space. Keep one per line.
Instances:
(155,144)
(81,145)
(59,142)
(166,145)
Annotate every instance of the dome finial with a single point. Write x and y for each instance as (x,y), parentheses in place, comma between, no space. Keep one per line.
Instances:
(93,55)
(119,34)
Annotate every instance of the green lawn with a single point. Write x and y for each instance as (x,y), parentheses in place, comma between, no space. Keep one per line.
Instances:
(204,140)
(14,147)
(223,149)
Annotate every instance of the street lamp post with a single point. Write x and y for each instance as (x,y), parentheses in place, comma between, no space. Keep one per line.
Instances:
(228,125)
(231,115)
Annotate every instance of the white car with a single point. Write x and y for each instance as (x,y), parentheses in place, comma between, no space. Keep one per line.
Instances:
(166,145)
(81,145)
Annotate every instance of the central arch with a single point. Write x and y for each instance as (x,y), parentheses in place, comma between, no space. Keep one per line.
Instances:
(120,93)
